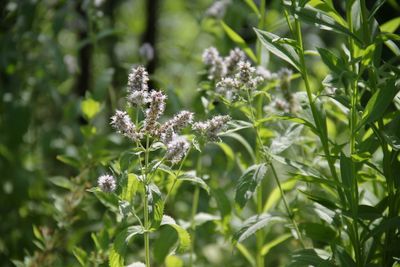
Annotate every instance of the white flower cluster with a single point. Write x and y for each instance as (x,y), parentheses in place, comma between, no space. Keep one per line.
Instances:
(154,112)
(212,127)
(107,183)
(138,94)
(177,149)
(217,10)
(124,125)
(169,131)
(233,73)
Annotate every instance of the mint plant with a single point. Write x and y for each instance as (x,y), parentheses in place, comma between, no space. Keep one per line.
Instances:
(158,147)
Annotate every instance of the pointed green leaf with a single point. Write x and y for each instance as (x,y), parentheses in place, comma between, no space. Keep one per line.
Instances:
(310,257)
(255,223)
(322,20)
(191,177)
(183,235)
(379,102)
(248,183)
(90,108)
(281,50)
(391,25)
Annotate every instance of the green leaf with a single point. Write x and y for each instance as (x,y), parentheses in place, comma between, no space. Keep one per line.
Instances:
(322,200)
(391,25)
(130,187)
(284,141)
(69,160)
(383,226)
(236,125)
(62,182)
(328,9)
(90,108)
(318,232)
(156,203)
(379,102)
(191,177)
(168,238)
(255,223)
(173,261)
(132,231)
(333,62)
(310,257)
(322,20)
(301,169)
(117,252)
(124,208)
(271,244)
(377,5)
(343,257)
(80,255)
(253,7)
(346,171)
(183,235)
(118,249)
(248,183)
(318,123)
(109,200)
(239,41)
(281,50)
(202,217)
(246,254)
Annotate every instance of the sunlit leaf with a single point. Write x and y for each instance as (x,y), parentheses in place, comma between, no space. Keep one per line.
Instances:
(183,235)
(281,50)
(90,108)
(255,223)
(248,183)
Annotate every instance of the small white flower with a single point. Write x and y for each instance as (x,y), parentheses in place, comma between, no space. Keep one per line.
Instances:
(217,10)
(216,65)
(154,112)
(177,149)
(212,127)
(138,79)
(107,183)
(235,56)
(124,125)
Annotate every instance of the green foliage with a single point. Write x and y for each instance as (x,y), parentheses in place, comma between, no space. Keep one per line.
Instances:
(304,174)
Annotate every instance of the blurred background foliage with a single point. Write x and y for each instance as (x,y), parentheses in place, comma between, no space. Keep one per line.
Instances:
(63,69)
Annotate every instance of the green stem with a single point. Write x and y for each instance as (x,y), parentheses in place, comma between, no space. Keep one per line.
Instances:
(146,232)
(146,207)
(288,210)
(322,134)
(261,25)
(195,204)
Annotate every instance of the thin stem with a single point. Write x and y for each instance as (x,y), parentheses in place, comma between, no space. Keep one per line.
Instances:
(176,175)
(353,201)
(259,234)
(261,25)
(146,232)
(195,204)
(146,208)
(290,214)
